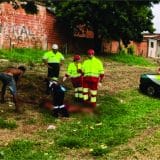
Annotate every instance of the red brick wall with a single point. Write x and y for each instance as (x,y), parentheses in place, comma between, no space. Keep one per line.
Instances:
(113,47)
(19,29)
(110,46)
(141,48)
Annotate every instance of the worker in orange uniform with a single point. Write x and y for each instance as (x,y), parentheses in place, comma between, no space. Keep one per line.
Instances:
(74,72)
(93,73)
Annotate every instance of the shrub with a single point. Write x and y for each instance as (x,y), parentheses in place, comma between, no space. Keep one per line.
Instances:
(131,50)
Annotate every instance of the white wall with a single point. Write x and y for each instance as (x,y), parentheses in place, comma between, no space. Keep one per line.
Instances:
(152,48)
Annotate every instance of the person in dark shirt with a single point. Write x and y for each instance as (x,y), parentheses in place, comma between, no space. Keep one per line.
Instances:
(58,93)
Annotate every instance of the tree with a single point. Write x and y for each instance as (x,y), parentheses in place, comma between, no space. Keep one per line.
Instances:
(124,20)
(29,6)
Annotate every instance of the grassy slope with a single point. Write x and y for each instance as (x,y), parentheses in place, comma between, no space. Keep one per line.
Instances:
(131,59)
(119,118)
(31,56)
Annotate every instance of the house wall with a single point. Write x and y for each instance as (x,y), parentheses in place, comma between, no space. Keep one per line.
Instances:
(18,29)
(158,48)
(152,48)
(110,46)
(141,48)
(113,47)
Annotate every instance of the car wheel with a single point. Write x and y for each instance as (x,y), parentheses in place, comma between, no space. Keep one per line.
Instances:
(151,91)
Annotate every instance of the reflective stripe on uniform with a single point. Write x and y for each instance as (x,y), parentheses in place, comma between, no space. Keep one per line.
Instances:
(54,78)
(93,99)
(85,97)
(62,106)
(93,92)
(85,90)
(80,95)
(76,89)
(80,89)
(56,107)
(76,95)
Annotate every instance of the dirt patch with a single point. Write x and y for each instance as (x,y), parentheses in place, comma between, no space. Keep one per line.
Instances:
(140,147)
(31,90)
(120,77)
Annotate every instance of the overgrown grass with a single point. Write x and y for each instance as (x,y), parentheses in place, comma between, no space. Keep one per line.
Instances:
(131,59)
(116,122)
(32,56)
(7,124)
(23,55)
(26,149)
(118,119)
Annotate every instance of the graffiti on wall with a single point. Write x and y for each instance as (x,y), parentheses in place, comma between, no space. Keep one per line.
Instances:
(18,34)
(28,34)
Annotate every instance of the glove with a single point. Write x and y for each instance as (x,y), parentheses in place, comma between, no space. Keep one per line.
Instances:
(99,84)
(64,78)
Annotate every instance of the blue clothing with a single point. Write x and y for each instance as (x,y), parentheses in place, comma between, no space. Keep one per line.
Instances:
(9,80)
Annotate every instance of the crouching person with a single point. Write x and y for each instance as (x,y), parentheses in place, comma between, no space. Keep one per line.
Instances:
(9,78)
(58,93)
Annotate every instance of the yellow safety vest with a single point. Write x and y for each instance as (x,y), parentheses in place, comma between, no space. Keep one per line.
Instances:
(92,67)
(52,57)
(72,69)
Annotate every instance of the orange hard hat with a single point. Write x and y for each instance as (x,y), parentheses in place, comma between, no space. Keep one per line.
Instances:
(76,57)
(91,52)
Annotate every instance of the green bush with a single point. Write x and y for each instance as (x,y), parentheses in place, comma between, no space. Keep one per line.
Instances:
(131,50)
(122,51)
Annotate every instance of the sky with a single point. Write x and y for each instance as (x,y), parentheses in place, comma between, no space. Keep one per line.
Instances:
(156,20)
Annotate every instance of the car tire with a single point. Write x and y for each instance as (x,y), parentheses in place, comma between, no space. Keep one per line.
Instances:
(151,91)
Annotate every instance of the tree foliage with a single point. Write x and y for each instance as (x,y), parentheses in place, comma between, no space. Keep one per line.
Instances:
(29,6)
(125,20)
(114,19)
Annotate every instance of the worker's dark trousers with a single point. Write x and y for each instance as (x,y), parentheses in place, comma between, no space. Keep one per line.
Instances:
(52,73)
(58,101)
